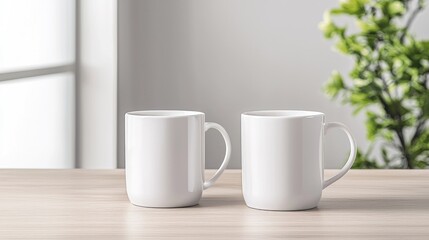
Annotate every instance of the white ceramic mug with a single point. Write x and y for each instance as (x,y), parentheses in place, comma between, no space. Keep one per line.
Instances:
(164,157)
(282,158)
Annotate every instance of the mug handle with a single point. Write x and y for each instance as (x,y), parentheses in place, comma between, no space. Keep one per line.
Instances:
(225,162)
(352,156)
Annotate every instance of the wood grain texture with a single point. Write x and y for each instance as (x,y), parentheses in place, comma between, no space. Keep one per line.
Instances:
(92,204)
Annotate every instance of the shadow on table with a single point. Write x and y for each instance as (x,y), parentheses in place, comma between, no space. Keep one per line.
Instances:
(220,201)
(373,204)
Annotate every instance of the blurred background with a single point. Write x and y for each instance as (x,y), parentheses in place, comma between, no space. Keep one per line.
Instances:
(71,69)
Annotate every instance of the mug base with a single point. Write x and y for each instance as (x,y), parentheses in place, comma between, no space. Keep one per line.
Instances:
(282,209)
(166,207)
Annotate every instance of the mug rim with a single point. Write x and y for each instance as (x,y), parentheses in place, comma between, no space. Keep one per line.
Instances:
(283,114)
(163,113)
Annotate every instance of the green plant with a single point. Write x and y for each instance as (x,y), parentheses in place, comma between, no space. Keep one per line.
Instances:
(389,80)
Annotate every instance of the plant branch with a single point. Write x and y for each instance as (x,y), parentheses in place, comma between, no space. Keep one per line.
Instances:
(380,82)
(395,114)
(408,161)
(425,80)
(419,128)
(386,88)
(421,119)
(400,130)
(410,21)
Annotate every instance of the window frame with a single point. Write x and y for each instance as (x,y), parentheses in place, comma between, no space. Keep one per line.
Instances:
(88,118)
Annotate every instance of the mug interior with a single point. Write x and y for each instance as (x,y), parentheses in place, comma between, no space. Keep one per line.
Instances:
(282,113)
(164,113)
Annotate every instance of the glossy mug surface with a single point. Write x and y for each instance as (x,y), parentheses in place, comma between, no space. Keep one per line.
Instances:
(282,158)
(164,157)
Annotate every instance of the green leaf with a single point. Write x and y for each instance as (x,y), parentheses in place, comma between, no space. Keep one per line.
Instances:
(396,8)
(384,154)
(372,126)
(367,26)
(421,164)
(425,104)
(353,7)
(335,84)
(360,98)
(358,109)
(388,135)
(336,11)
(342,46)
(363,161)
(328,27)
(414,73)
(424,47)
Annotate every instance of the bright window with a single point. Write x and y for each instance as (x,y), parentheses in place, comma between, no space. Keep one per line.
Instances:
(37,83)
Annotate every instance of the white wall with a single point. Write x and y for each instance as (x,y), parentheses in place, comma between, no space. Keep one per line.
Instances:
(224,57)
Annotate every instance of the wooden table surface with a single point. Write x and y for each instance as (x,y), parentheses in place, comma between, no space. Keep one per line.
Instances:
(92,204)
